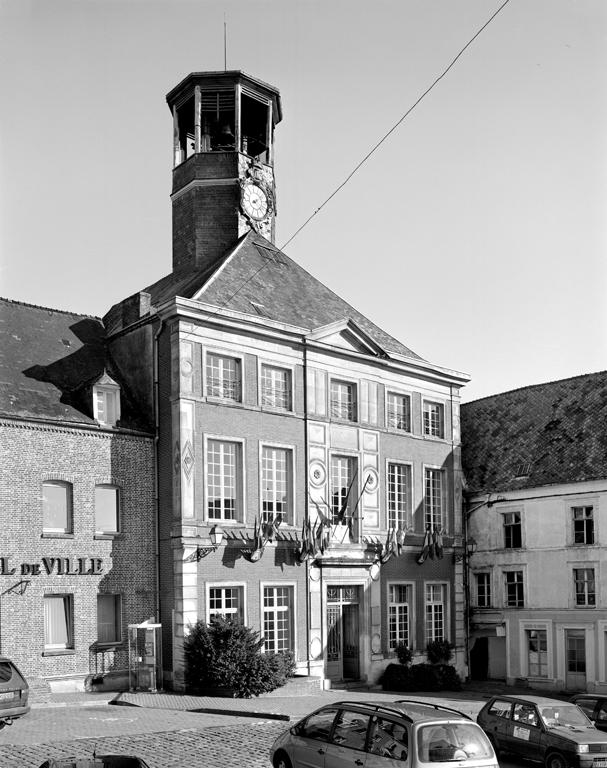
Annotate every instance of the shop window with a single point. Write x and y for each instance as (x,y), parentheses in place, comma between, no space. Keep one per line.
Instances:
(58,622)
(109,623)
(57,507)
(276,484)
(278,619)
(107,498)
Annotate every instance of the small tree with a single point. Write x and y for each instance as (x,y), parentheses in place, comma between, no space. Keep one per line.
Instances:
(439,651)
(404,653)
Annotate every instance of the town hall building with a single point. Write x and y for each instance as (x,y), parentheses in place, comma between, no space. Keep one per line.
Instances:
(291,464)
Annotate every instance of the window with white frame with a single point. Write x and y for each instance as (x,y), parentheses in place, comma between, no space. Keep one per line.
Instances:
(109,619)
(399,495)
(227,602)
(106,403)
(537,652)
(434,419)
(277,619)
(276,484)
(585,589)
(583,525)
(434,497)
(223,377)
(276,387)
(58,622)
(343,400)
(107,500)
(343,491)
(514,589)
(399,411)
(513,536)
(57,507)
(435,607)
(483,590)
(399,614)
(224,480)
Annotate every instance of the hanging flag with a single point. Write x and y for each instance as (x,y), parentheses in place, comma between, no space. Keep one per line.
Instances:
(259,545)
(400,540)
(341,514)
(437,538)
(426,547)
(388,548)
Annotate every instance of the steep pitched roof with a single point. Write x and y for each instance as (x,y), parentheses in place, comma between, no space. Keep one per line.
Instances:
(539,435)
(257,278)
(49,359)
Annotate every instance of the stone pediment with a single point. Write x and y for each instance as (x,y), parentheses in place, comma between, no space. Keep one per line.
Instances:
(345,334)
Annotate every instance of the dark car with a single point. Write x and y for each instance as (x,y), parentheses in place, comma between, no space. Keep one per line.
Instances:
(382,735)
(98,761)
(555,732)
(14,692)
(594,706)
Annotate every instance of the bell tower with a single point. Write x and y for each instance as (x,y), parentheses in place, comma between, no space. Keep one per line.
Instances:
(223,164)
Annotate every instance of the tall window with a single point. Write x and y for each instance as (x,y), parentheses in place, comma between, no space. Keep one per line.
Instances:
(583,525)
(223,377)
(434,419)
(109,623)
(56,507)
(343,400)
(224,474)
(585,593)
(276,483)
(226,602)
(343,487)
(399,412)
(435,612)
(106,509)
(399,495)
(434,497)
(512,530)
(483,590)
(106,402)
(276,387)
(537,652)
(399,601)
(513,581)
(277,619)
(58,622)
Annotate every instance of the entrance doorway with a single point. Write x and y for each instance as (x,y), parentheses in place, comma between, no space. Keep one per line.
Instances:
(343,632)
(575,645)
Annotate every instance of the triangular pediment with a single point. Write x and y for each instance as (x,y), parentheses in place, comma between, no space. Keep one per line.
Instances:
(345,334)
(105,380)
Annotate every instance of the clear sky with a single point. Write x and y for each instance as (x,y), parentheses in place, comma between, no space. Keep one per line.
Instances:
(476,234)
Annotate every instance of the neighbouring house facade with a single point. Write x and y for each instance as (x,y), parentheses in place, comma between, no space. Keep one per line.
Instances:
(535,461)
(278,458)
(77,547)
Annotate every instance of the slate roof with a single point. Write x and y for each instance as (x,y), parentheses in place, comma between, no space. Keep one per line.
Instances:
(538,435)
(254,270)
(48,361)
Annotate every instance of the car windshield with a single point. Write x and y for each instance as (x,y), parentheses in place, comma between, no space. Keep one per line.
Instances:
(563,714)
(452,741)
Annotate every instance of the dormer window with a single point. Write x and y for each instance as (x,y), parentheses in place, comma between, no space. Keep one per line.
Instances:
(106,401)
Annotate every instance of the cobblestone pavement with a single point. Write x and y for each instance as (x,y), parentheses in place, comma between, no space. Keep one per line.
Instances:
(217,746)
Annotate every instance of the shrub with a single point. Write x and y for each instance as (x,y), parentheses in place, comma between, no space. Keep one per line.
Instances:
(421,677)
(404,653)
(226,654)
(439,651)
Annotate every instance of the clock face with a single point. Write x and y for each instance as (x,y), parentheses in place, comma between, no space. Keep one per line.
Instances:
(255,202)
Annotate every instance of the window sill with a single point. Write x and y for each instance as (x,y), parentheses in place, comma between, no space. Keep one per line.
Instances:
(57,535)
(108,536)
(60,652)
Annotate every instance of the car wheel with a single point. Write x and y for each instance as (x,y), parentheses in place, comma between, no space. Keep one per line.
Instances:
(555,760)
(2,724)
(281,760)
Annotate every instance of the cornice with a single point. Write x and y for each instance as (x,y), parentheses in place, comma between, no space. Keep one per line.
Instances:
(41,425)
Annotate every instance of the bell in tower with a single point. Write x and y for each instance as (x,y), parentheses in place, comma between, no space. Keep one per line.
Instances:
(223,174)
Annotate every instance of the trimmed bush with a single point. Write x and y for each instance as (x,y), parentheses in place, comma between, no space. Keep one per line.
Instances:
(439,651)
(404,653)
(421,677)
(227,655)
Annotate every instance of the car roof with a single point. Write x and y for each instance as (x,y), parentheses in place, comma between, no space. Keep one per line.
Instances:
(411,709)
(528,699)
(588,696)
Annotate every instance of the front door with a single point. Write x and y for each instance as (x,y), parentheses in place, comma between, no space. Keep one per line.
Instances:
(575,644)
(343,632)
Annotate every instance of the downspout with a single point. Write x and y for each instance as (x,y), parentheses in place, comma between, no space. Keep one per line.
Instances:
(306,486)
(155,385)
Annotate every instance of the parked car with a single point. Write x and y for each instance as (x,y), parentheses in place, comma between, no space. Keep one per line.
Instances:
(98,761)
(594,707)
(14,692)
(377,734)
(555,732)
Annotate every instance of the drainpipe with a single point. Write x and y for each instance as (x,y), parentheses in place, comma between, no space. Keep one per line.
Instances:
(306,503)
(155,383)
